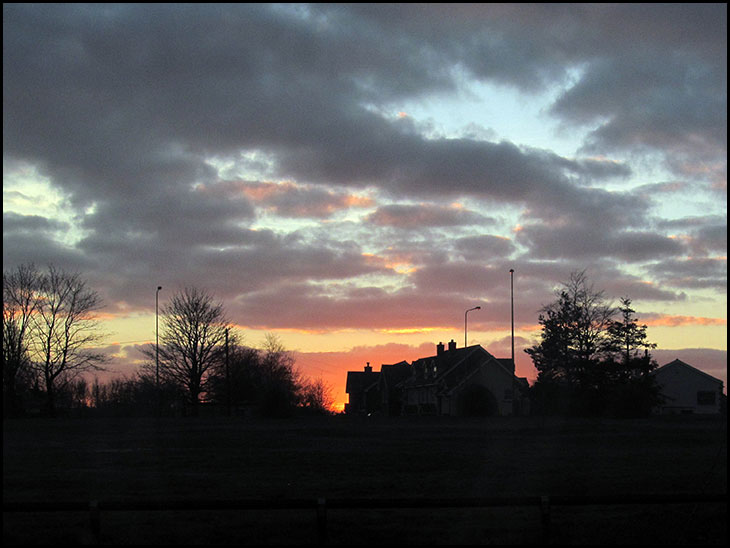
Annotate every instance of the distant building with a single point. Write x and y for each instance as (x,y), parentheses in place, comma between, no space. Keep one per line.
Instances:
(686,389)
(455,382)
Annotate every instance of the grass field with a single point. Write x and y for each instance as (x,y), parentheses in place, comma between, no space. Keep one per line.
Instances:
(341,457)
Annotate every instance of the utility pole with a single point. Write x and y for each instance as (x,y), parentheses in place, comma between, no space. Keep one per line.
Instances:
(514,367)
(228,381)
(512,306)
(157,350)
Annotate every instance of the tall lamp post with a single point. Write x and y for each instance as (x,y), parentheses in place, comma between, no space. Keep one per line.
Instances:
(512,306)
(512,313)
(465,313)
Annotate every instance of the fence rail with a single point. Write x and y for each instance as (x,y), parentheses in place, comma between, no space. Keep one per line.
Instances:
(321,505)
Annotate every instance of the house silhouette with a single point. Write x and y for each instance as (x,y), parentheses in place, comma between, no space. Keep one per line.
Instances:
(687,390)
(455,382)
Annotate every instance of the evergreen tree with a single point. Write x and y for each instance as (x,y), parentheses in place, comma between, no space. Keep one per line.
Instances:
(628,342)
(632,390)
(573,335)
(589,363)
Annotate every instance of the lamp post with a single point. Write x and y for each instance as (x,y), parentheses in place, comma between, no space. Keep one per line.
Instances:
(512,307)
(465,313)
(512,313)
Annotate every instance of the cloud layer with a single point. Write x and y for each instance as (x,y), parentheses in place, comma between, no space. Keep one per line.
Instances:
(262,151)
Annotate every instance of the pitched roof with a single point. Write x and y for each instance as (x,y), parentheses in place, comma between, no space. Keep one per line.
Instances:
(453,367)
(448,368)
(680,363)
(358,381)
(394,373)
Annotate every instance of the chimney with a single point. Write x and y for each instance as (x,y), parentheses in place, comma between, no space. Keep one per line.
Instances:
(452,345)
(439,349)
(368,369)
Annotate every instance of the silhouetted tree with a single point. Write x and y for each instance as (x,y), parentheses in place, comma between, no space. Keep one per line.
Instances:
(587,362)
(20,300)
(633,391)
(136,396)
(265,381)
(280,383)
(64,331)
(316,397)
(628,341)
(573,337)
(192,343)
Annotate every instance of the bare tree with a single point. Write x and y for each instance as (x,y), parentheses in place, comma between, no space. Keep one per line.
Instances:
(316,396)
(64,331)
(192,343)
(20,300)
(281,386)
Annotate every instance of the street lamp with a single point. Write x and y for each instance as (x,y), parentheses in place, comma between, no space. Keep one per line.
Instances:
(465,313)
(514,367)
(512,306)
(157,338)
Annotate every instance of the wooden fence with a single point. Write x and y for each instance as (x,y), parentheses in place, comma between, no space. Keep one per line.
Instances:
(321,506)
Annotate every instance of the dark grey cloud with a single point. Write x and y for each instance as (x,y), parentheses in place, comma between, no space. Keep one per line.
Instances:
(132,96)
(124,106)
(675,107)
(288,199)
(260,261)
(581,242)
(293,307)
(711,239)
(457,277)
(35,239)
(658,84)
(14,223)
(691,273)
(422,216)
(706,235)
(484,247)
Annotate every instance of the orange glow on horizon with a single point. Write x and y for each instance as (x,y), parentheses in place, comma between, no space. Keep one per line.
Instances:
(295,330)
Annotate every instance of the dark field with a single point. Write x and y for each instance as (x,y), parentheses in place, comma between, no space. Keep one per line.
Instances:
(118,460)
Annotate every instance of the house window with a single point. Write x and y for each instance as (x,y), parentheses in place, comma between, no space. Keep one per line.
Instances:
(508,394)
(705,397)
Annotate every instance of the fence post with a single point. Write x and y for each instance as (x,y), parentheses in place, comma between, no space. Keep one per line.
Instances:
(95,521)
(545,516)
(322,520)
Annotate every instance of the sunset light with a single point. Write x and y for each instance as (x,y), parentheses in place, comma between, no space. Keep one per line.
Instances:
(355,187)
(381,274)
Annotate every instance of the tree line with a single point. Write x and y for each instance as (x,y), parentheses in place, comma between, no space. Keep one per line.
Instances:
(592,358)
(51,334)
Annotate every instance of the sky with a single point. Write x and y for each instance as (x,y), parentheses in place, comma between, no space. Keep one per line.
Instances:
(353,178)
